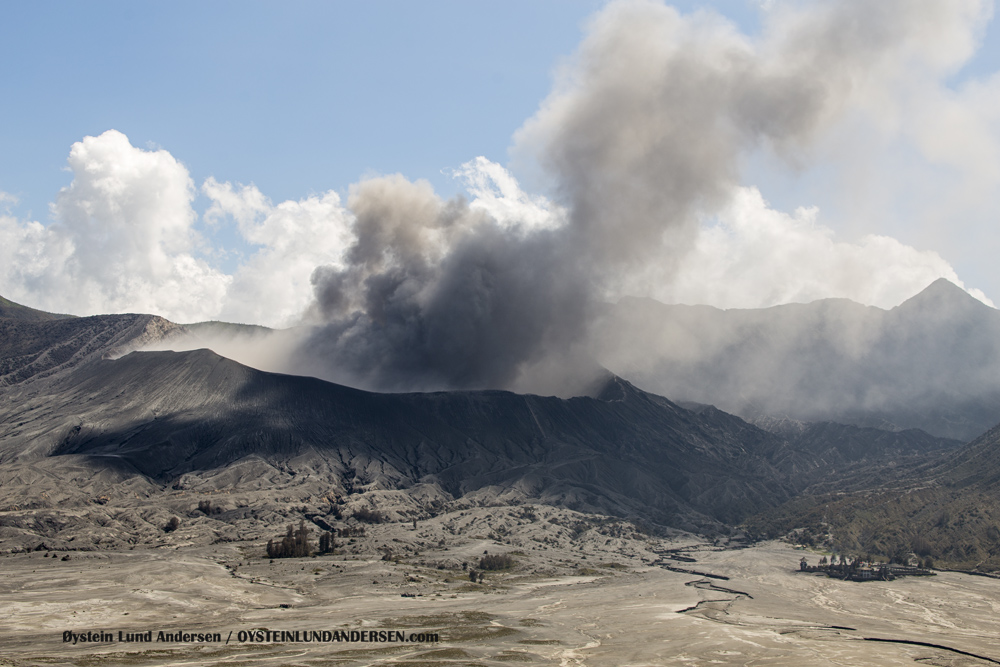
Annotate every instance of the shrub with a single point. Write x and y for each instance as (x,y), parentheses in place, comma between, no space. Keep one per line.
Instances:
(172,525)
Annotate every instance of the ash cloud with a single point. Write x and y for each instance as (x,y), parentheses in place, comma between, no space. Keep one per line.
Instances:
(641,137)
(434,294)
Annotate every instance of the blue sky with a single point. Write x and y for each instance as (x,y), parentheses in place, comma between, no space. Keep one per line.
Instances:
(307,97)
(295,97)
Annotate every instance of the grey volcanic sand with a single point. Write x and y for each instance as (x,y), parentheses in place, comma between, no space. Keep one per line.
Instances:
(592,599)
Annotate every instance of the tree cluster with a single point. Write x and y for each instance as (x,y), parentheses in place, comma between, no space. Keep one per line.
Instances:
(295,544)
(326,543)
(368,516)
(496,562)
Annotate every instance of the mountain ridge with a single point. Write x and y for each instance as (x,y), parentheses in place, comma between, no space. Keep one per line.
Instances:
(15,311)
(945,509)
(83,415)
(204,412)
(933,362)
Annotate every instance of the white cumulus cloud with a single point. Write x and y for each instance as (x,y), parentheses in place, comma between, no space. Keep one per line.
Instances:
(122,239)
(496,192)
(752,256)
(272,287)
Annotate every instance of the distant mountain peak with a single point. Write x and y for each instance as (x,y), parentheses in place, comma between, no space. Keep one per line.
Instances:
(944,286)
(942,294)
(609,387)
(613,388)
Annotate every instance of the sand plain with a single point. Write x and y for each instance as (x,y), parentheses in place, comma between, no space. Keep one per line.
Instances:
(574,598)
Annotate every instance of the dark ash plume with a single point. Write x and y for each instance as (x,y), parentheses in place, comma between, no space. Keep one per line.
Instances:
(641,136)
(435,295)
